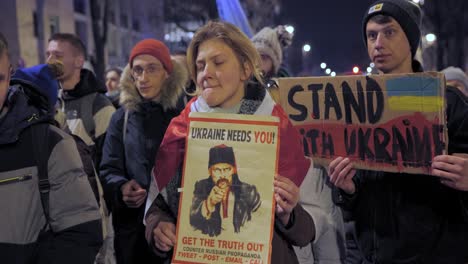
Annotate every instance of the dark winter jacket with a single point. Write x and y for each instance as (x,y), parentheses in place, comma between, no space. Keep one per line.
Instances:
(132,157)
(407,218)
(88,112)
(74,233)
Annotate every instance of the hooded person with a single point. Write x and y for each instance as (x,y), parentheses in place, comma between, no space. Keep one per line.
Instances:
(42,79)
(151,85)
(49,214)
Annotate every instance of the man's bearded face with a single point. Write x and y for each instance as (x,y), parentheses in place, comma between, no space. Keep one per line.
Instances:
(221,174)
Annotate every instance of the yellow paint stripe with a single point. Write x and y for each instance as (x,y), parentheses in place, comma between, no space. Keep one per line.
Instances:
(416,103)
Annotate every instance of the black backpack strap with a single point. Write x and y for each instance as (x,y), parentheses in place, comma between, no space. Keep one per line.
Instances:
(40,136)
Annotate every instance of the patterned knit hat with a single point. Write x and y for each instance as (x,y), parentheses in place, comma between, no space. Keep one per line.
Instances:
(221,154)
(405,12)
(270,42)
(154,48)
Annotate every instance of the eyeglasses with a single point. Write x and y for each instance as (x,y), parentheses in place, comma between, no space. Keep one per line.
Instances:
(152,69)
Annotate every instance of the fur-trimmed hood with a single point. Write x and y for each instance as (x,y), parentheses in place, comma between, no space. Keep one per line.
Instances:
(172,88)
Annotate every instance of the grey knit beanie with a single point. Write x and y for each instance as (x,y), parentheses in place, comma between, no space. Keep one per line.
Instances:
(456,74)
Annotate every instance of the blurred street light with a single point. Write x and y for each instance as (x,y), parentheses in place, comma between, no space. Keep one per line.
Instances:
(328,71)
(290,29)
(323,65)
(333,74)
(355,69)
(369,69)
(430,38)
(372,65)
(306,48)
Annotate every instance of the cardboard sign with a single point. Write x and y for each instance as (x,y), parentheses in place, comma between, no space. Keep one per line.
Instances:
(226,208)
(392,123)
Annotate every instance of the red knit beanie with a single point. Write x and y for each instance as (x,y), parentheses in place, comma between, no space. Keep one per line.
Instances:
(154,48)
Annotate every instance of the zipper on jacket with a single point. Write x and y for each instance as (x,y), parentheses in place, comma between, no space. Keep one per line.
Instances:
(16,179)
(33,117)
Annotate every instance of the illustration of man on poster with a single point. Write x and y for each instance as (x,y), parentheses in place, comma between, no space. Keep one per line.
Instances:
(222,201)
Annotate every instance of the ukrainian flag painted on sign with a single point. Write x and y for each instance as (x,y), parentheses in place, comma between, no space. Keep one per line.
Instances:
(418,94)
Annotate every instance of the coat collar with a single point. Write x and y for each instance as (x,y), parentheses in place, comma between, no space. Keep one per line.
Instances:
(172,88)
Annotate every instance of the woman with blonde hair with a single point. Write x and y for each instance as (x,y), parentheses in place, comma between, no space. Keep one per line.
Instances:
(225,66)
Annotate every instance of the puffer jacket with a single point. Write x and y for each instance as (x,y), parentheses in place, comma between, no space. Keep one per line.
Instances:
(73,233)
(132,157)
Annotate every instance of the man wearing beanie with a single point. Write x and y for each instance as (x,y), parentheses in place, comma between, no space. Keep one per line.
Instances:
(151,85)
(213,208)
(399,217)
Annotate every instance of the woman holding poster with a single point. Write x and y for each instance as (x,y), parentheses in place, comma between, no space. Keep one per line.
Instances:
(225,66)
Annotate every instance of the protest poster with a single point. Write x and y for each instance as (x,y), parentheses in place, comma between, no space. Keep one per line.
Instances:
(226,208)
(392,123)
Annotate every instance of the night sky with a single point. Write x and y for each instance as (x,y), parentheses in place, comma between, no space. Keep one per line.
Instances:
(332,28)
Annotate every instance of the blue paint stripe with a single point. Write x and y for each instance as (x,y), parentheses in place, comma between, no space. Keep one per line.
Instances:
(413,86)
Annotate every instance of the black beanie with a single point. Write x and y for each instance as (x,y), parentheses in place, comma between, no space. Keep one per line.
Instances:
(405,12)
(221,154)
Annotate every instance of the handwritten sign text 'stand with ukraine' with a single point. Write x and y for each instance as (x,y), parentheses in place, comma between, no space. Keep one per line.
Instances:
(392,123)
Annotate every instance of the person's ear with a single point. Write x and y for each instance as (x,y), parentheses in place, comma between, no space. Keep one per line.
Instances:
(79,61)
(246,71)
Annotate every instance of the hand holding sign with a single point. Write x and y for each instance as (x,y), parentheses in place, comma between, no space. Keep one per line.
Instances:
(341,174)
(286,196)
(164,236)
(452,169)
